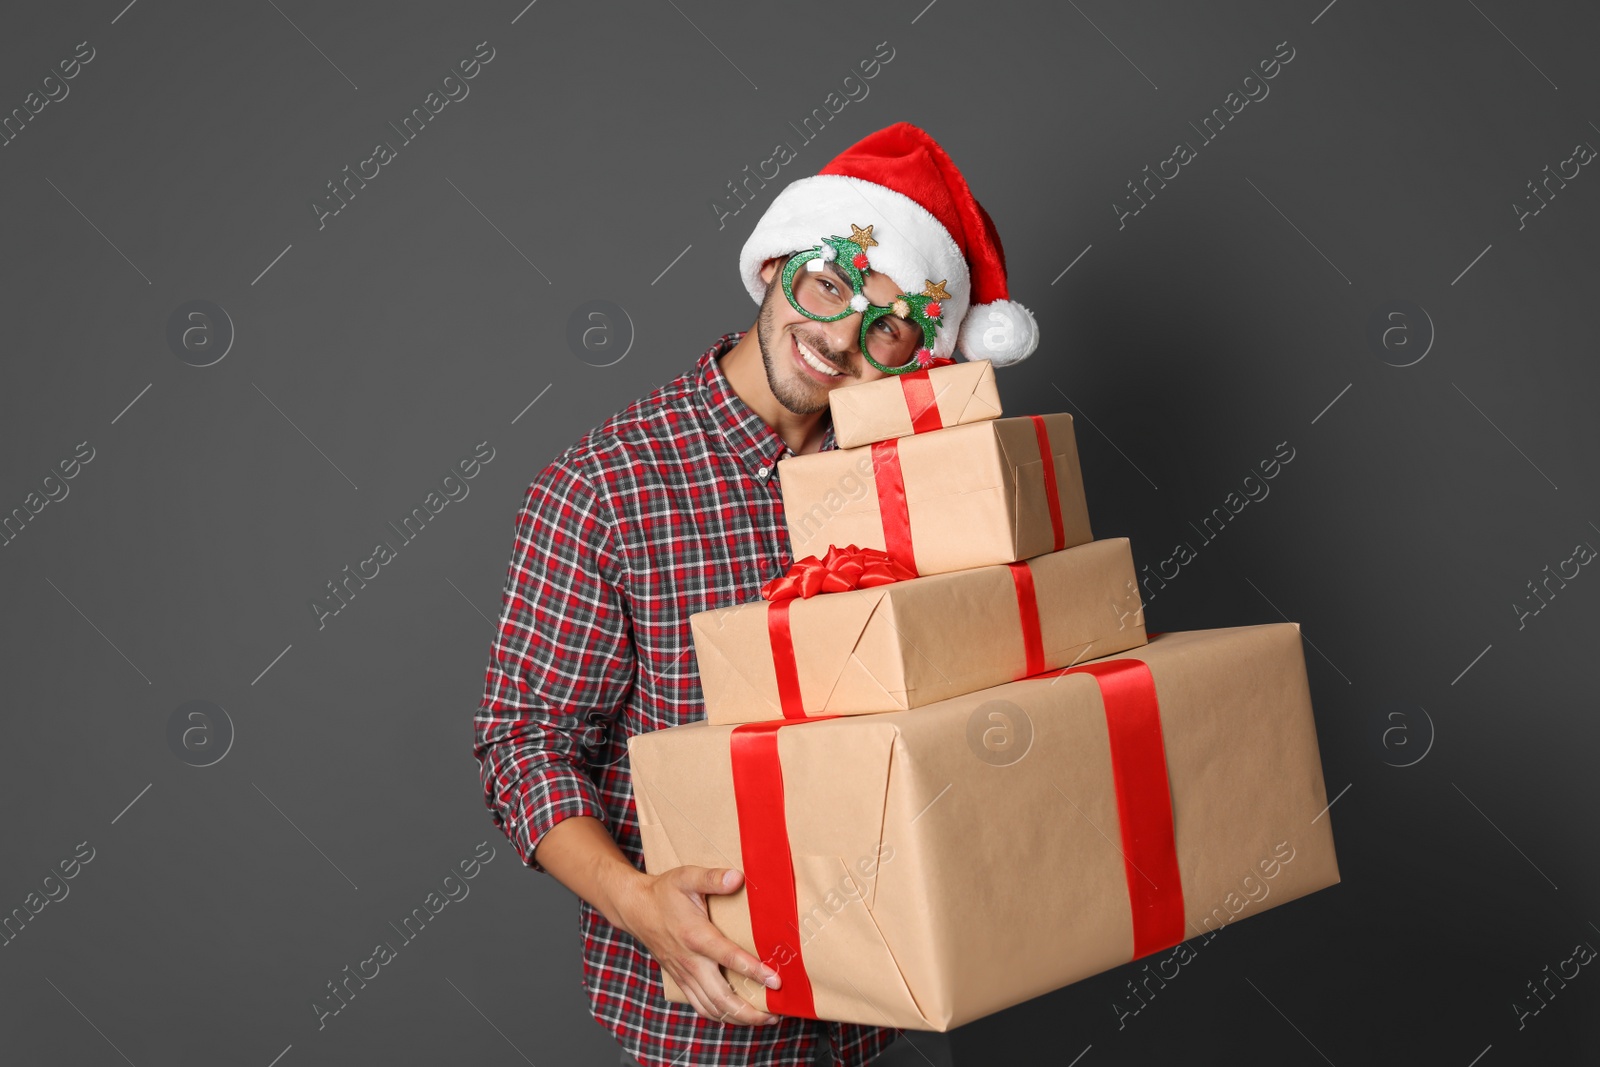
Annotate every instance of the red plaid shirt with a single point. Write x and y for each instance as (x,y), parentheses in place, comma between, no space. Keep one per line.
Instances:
(668,508)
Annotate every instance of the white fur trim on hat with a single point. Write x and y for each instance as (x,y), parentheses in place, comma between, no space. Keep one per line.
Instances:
(1002,332)
(913,247)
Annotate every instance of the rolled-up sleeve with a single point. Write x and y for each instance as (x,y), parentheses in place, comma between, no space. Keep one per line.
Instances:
(561,664)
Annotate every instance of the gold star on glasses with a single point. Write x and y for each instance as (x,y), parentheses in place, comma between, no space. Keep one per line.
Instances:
(862,238)
(935,290)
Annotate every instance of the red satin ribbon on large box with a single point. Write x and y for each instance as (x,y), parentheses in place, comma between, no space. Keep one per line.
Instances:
(768,864)
(1144,814)
(895,513)
(1144,800)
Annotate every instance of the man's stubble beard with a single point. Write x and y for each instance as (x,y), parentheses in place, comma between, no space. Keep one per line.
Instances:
(795,392)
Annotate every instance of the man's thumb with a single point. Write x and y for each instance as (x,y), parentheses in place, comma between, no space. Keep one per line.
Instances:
(717,880)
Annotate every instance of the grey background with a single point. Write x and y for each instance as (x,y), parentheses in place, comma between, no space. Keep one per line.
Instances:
(372,354)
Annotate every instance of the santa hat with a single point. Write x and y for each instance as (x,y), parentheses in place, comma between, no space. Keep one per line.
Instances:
(928,228)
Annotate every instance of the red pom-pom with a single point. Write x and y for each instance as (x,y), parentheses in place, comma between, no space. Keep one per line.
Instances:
(860,261)
(924,357)
(933,310)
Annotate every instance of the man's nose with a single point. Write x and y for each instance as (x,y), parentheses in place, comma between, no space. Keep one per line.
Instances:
(844,336)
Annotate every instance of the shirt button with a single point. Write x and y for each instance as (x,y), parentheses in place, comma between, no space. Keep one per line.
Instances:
(762,472)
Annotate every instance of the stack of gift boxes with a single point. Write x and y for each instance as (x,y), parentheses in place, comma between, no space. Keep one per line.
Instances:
(956,771)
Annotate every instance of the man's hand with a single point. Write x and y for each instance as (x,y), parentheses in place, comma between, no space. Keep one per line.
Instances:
(668,913)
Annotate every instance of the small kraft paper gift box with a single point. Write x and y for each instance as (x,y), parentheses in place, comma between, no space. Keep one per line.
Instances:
(925,868)
(893,645)
(976,495)
(943,394)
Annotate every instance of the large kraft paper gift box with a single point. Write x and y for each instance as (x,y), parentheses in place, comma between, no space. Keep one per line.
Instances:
(933,398)
(985,493)
(909,643)
(906,870)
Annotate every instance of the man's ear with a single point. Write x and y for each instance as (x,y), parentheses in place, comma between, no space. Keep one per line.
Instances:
(769,269)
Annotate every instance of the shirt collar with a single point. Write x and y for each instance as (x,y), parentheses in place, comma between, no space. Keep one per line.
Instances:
(758,446)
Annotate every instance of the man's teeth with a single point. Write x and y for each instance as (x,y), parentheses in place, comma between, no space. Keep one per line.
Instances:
(812,359)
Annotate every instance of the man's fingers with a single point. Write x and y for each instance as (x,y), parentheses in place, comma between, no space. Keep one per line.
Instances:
(702,1001)
(732,1009)
(697,1000)
(715,1009)
(723,1003)
(706,940)
(699,971)
(730,955)
(711,879)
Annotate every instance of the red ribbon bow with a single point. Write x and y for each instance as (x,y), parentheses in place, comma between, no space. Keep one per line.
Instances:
(841,570)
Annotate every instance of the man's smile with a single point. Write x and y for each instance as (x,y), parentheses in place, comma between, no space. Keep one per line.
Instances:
(814,364)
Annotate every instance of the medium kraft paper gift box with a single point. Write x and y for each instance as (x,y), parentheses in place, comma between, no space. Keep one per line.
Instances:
(905,870)
(910,643)
(964,496)
(921,401)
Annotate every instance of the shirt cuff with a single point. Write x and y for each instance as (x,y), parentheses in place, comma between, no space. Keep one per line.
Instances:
(543,800)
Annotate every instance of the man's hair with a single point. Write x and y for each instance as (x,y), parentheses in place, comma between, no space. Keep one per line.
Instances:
(777,272)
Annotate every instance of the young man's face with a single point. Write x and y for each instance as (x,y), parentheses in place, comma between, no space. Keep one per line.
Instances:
(785,335)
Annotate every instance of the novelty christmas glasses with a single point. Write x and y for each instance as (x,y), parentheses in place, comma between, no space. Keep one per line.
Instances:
(825,283)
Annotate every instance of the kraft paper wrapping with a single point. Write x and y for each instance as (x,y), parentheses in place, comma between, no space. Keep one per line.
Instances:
(975,494)
(1002,882)
(877,411)
(907,644)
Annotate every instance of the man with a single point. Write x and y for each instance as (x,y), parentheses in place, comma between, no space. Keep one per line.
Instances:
(672,507)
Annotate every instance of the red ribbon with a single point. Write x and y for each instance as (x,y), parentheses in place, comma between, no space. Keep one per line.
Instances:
(918,392)
(849,568)
(1144,814)
(1144,800)
(860,568)
(895,514)
(783,662)
(841,570)
(892,507)
(768,864)
(1051,493)
(1028,612)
